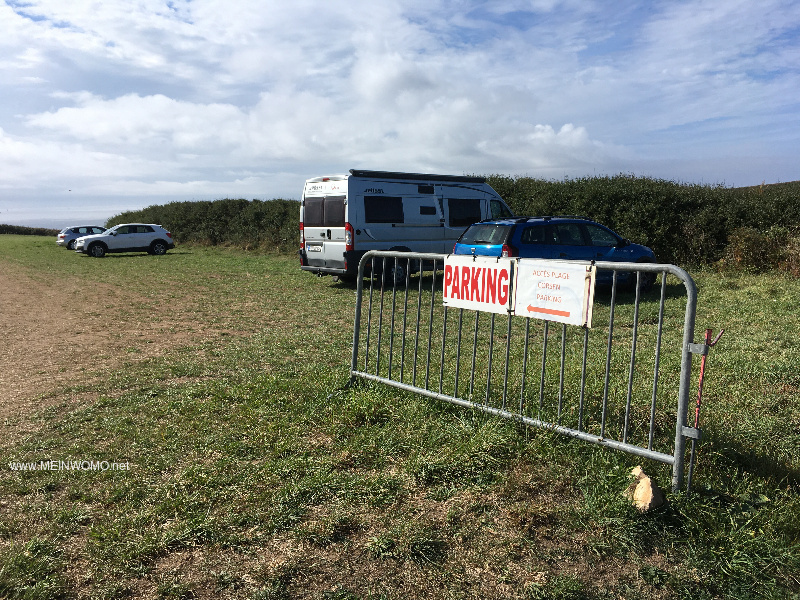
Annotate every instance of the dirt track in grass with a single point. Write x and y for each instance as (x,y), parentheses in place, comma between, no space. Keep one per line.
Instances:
(53,338)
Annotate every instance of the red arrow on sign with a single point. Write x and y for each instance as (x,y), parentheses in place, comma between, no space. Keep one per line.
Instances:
(548,311)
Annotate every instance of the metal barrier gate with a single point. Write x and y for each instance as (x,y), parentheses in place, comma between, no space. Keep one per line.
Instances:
(624,385)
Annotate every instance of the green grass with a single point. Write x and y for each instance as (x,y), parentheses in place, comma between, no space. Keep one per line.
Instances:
(253,476)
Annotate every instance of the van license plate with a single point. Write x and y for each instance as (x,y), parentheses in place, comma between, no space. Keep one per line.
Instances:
(314,248)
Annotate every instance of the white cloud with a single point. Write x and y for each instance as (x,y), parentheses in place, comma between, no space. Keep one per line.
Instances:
(166,100)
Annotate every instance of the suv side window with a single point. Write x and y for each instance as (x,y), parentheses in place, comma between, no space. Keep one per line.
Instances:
(601,237)
(535,234)
(568,234)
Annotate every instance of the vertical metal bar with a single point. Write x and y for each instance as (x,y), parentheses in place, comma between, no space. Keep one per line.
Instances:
(405,319)
(657,359)
(524,366)
(369,314)
(441,355)
(583,377)
(394,308)
(561,373)
(491,352)
(508,354)
(608,355)
(357,320)
(544,366)
(474,353)
(430,326)
(633,360)
(685,384)
(416,335)
(458,350)
(380,319)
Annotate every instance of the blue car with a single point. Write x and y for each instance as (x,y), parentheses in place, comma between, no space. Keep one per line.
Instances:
(562,238)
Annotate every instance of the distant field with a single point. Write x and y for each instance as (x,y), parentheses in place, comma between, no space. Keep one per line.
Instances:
(208,378)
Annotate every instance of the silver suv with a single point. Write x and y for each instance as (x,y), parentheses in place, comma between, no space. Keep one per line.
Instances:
(130,237)
(68,235)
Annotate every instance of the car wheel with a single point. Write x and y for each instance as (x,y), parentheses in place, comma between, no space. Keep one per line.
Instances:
(71,245)
(97,250)
(158,248)
(395,272)
(646,281)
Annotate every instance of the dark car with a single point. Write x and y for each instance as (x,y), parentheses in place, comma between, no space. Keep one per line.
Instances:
(562,238)
(67,236)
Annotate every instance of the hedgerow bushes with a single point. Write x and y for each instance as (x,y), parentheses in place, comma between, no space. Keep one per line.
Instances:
(250,224)
(752,250)
(685,224)
(20,230)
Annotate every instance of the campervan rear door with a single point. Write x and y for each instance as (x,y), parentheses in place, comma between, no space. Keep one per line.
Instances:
(323,226)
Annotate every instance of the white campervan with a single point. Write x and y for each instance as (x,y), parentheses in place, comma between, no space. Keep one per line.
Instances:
(344,216)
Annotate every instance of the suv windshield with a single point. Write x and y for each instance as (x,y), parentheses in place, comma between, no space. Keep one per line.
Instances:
(485,234)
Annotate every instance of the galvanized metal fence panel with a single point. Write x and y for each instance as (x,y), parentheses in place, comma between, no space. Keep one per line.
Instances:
(624,383)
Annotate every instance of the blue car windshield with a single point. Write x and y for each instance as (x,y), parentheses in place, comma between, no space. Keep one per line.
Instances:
(485,235)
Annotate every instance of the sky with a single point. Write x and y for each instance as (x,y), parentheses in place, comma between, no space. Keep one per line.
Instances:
(109,105)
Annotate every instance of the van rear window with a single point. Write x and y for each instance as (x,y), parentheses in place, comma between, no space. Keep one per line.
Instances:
(383,209)
(313,212)
(327,211)
(334,211)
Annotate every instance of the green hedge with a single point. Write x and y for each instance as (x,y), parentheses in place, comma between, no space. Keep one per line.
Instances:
(20,230)
(685,224)
(250,224)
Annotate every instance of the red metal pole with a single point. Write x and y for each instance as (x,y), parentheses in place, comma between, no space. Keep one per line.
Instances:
(709,343)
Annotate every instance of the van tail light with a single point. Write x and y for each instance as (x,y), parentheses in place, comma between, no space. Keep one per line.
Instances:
(508,251)
(169,235)
(349,243)
(302,245)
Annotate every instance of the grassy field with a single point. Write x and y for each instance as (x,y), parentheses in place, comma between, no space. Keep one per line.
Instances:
(250,476)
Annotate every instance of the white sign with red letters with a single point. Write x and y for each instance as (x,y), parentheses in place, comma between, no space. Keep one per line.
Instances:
(478,283)
(561,291)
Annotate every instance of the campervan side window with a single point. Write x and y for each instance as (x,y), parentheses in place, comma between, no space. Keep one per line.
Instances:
(383,209)
(499,211)
(463,211)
